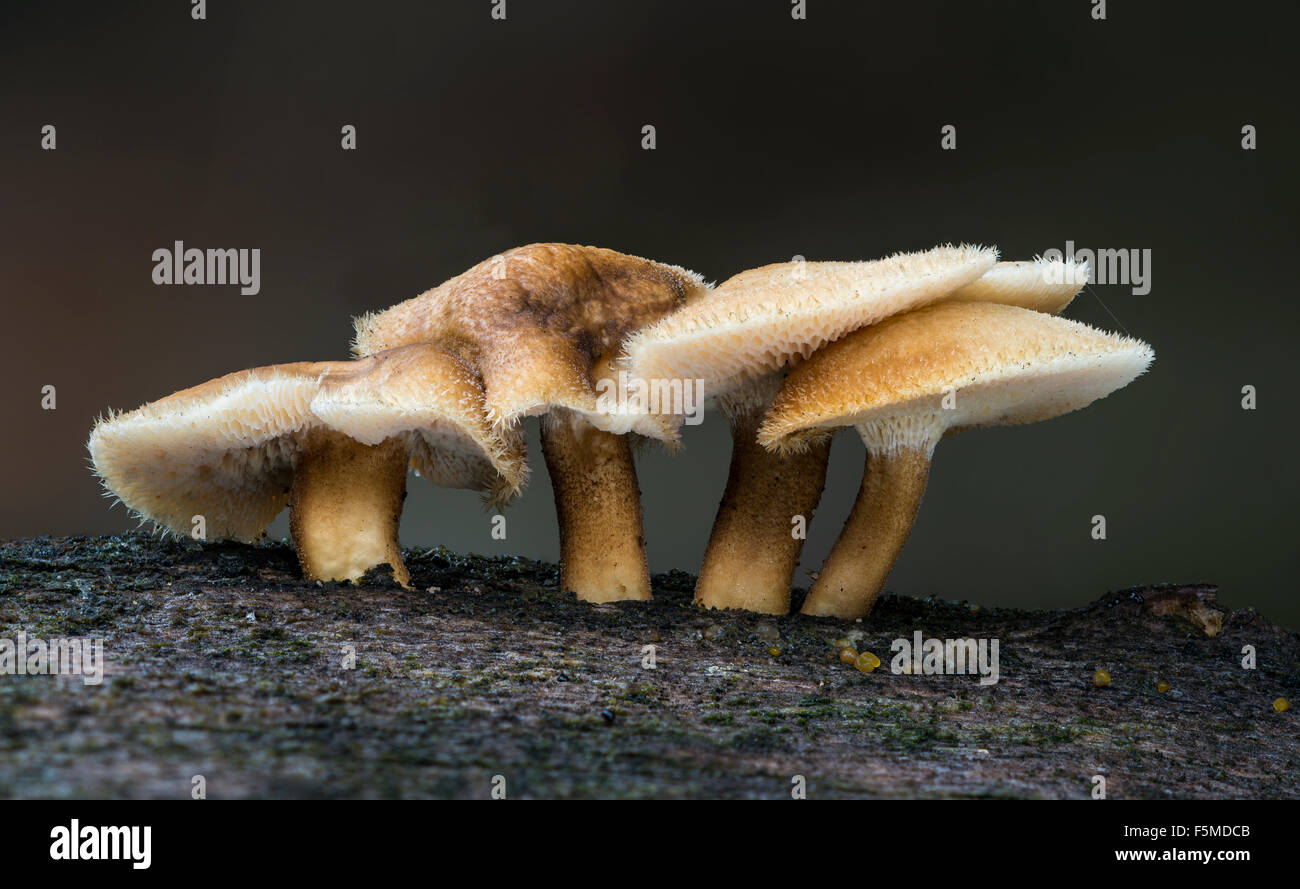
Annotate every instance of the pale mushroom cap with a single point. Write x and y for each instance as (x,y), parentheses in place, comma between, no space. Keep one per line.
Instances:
(625,405)
(1003,364)
(759,320)
(1043,285)
(435,398)
(226,449)
(223,450)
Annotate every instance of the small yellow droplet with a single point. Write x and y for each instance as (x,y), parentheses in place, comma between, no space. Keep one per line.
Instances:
(774,651)
(1162,686)
(842,643)
(848,656)
(1101,678)
(867,662)
(1281,705)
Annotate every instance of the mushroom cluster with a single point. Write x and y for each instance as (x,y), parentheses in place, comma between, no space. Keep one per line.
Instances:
(439,386)
(759,339)
(332,440)
(903,349)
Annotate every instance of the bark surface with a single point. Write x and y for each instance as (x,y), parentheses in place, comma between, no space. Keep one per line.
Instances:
(222,662)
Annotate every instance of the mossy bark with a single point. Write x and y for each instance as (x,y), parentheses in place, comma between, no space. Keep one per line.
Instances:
(223,662)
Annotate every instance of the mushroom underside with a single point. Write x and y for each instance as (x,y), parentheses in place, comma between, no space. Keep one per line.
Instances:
(332,440)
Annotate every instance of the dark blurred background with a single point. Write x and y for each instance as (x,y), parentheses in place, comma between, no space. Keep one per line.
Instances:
(776,137)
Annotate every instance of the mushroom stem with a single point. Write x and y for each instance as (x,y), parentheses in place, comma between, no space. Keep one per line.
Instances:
(598,503)
(753,551)
(878,526)
(346,504)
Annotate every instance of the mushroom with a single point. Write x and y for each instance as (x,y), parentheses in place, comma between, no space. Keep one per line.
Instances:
(332,439)
(541,323)
(1044,285)
(907,381)
(738,339)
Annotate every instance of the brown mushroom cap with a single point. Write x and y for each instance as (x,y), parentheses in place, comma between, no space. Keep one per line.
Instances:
(541,324)
(226,449)
(756,322)
(1008,365)
(535,320)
